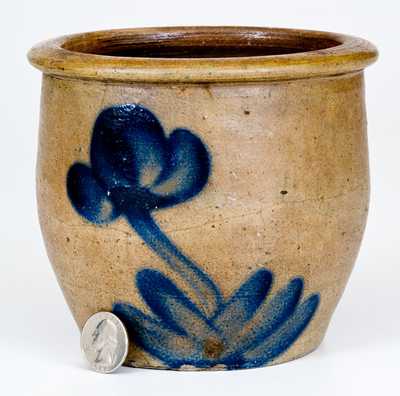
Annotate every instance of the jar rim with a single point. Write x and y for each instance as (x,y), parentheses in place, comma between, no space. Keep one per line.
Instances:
(202,54)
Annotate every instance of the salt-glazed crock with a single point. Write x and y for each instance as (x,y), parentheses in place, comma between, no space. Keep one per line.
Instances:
(207,185)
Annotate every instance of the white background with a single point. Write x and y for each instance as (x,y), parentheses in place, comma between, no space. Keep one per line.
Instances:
(39,342)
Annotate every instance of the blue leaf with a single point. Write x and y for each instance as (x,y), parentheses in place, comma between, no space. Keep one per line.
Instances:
(284,336)
(186,171)
(87,197)
(151,335)
(243,304)
(172,306)
(271,315)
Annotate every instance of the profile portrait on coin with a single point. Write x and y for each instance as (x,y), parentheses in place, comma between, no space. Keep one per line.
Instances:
(105,342)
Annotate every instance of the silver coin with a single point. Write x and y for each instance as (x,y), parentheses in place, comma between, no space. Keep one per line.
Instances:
(104,342)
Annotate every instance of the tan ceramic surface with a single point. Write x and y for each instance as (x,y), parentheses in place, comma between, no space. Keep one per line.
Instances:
(288,190)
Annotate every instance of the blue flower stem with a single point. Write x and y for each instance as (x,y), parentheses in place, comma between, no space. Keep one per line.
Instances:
(203,286)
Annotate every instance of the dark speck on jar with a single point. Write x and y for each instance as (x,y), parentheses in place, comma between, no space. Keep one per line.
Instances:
(213,348)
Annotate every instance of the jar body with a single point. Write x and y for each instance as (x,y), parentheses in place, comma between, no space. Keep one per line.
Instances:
(287,193)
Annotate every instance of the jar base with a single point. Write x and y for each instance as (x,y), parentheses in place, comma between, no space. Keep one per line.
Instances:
(220,367)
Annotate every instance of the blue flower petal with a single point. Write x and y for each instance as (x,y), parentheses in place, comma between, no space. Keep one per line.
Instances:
(270,316)
(152,336)
(186,171)
(128,148)
(285,336)
(241,307)
(87,197)
(172,306)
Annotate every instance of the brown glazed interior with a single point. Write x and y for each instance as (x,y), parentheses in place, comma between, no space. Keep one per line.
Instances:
(202,54)
(200,44)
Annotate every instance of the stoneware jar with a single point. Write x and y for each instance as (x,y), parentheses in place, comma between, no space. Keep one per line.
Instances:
(207,185)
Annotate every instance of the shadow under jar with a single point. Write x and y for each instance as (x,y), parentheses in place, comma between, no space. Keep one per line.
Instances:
(208,185)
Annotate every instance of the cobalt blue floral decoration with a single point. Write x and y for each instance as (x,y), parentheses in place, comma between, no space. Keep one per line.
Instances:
(135,169)
(250,329)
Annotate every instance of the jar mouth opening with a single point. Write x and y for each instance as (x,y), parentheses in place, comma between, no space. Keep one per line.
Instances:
(221,43)
(202,54)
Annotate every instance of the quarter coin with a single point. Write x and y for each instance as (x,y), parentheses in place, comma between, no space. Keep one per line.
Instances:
(104,342)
